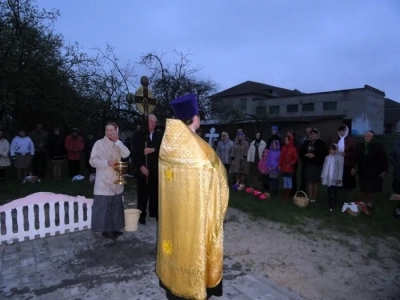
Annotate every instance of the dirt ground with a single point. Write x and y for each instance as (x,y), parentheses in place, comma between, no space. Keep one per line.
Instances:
(316,264)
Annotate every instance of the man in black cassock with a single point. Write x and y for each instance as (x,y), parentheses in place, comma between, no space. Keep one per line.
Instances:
(147,174)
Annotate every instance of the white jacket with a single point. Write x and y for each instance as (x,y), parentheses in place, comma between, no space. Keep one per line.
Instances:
(103,151)
(22,145)
(4,153)
(252,150)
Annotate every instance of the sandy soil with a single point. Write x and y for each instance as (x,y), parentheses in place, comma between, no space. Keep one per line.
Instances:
(316,264)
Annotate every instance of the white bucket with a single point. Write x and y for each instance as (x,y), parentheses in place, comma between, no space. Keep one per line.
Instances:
(131,219)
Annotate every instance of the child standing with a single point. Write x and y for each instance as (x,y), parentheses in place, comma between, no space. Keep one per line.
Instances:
(264,173)
(332,174)
(273,166)
(287,162)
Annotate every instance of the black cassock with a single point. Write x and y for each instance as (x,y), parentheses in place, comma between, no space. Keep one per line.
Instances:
(147,190)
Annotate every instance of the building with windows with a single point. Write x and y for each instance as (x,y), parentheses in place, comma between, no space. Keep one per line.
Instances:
(360,108)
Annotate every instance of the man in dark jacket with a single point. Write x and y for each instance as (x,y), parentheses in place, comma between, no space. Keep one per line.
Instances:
(395,160)
(145,159)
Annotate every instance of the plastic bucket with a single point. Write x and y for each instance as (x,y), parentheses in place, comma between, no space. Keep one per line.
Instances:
(131,219)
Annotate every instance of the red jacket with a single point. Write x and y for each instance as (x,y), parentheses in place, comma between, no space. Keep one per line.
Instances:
(288,157)
(74,147)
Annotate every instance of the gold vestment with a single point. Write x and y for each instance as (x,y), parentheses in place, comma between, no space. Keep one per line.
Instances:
(193,199)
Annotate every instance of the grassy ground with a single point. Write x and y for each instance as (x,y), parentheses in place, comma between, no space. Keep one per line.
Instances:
(12,189)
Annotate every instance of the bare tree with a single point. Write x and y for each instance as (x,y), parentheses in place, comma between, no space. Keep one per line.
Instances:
(172,80)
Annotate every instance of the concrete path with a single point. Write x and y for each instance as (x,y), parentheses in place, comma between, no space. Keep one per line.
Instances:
(85,266)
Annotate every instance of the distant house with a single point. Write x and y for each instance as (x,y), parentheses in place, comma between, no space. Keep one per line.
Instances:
(360,108)
(392,116)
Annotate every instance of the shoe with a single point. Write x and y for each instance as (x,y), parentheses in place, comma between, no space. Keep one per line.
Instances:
(118,233)
(142,220)
(312,200)
(109,235)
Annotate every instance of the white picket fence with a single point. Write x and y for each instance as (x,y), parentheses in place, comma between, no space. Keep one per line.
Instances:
(42,214)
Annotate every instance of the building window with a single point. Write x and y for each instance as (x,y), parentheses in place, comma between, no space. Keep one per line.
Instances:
(332,105)
(307,107)
(243,104)
(274,109)
(292,108)
(260,110)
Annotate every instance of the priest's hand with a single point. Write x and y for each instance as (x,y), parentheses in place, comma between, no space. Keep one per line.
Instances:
(382,174)
(144,171)
(353,172)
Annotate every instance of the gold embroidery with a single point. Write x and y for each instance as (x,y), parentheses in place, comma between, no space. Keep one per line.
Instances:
(169,174)
(167,247)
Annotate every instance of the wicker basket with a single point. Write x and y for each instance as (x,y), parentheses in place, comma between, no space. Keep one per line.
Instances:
(353,213)
(301,199)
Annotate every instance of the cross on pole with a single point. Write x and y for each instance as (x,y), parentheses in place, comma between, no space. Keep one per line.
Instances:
(145,101)
(146,104)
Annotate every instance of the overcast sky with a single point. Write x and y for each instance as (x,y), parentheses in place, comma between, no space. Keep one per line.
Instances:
(309,45)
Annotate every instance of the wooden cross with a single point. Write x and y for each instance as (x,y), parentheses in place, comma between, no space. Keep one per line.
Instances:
(144,98)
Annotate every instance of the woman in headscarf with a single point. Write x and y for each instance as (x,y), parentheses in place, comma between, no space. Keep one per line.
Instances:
(346,148)
(254,155)
(372,164)
(239,165)
(108,207)
(313,152)
(274,136)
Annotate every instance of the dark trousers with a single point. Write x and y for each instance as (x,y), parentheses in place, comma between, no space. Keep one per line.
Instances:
(294,180)
(2,173)
(395,185)
(274,185)
(147,194)
(303,183)
(74,167)
(265,181)
(332,195)
(88,165)
(39,164)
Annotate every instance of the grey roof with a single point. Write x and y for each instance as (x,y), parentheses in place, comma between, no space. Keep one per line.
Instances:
(392,111)
(256,88)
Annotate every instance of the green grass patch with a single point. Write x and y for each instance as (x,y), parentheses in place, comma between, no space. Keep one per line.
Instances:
(380,222)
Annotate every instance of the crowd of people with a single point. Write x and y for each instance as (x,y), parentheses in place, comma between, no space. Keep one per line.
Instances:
(261,164)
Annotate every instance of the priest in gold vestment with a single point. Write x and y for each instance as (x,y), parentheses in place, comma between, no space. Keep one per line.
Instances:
(193,199)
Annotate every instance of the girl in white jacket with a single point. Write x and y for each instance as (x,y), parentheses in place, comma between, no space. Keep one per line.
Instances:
(332,174)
